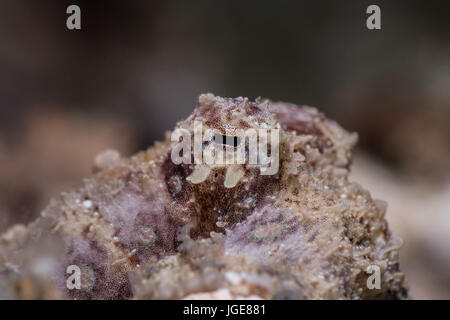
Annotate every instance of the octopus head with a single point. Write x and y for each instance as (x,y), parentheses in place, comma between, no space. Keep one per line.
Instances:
(224,158)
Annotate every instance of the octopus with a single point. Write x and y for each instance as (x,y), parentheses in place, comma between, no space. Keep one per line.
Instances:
(154,227)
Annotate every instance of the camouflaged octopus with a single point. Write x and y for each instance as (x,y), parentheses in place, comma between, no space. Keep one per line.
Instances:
(147,227)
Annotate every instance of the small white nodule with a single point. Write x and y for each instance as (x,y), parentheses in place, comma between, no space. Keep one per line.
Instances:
(233,176)
(87,204)
(201,172)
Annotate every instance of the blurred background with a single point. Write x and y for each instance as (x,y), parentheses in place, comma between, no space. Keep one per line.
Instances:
(136,67)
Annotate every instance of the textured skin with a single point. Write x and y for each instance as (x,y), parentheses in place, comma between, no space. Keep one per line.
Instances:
(139,228)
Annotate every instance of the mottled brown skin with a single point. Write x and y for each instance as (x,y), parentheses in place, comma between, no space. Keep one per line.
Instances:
(213,201)
(143,230)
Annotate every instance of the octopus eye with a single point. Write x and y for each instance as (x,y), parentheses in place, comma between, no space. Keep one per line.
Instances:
(231,141)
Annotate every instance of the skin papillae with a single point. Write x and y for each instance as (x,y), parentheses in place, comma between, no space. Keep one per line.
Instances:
(146,228)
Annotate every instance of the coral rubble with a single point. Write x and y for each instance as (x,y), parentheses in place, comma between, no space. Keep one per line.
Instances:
(146,227)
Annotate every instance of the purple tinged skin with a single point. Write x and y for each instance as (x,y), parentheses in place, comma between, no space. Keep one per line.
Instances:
(146,231)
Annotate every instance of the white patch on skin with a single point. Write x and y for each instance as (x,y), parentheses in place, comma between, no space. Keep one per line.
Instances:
(233,175)
(87,204)
(233,277)
(200,174)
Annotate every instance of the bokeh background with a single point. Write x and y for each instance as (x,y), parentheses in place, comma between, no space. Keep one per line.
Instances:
(137,66)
